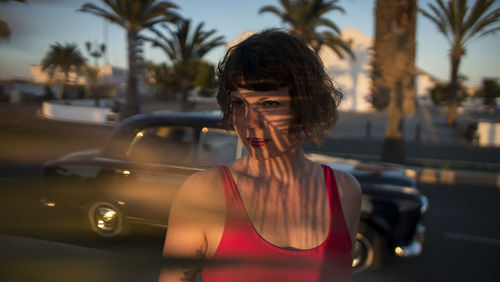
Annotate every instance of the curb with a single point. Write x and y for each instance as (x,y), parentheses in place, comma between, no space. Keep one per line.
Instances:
(451,177)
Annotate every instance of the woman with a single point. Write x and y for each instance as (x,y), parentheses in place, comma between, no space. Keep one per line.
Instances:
(273,214)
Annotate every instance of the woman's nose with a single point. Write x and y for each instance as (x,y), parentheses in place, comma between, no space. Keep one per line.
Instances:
(253,117)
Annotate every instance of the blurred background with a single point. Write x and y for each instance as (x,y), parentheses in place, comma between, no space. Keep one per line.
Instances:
(421,89)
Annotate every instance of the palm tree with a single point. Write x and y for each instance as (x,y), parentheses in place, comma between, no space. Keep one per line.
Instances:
(4,26)
(185,47)
(161,78)
(460,24)
(134,16)
(304,16)
(394,70)
(490,91)
(64,57)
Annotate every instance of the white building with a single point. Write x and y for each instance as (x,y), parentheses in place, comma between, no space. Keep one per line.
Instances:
(424,82)
(351,75)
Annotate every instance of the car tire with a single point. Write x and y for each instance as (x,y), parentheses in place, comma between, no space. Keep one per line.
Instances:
(370,250)
(106,220)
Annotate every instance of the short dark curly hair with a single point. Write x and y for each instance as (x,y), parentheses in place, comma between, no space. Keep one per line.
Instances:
(273,60)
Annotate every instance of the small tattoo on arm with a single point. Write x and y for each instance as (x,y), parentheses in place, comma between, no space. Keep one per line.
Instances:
(189,275)
(192,270)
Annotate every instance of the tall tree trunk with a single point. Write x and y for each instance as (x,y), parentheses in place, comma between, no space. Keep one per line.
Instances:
(394,70)
(184,95)
(393,149)
(132,100)
(62,87)
(451,114)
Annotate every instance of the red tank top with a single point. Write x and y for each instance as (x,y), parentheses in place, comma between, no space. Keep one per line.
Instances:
(246,256)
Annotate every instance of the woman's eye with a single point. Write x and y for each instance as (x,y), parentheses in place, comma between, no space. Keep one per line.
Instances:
(237,103)
(270,104)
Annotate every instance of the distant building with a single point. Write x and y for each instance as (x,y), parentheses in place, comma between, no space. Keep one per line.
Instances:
(107,75)
(38,75)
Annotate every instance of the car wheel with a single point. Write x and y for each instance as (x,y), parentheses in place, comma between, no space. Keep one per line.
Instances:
(106,220)
(370,250)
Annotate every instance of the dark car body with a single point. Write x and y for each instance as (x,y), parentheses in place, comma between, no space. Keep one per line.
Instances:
(135,176)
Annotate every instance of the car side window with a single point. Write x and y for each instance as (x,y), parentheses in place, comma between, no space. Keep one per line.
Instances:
(216,146)
(162,144)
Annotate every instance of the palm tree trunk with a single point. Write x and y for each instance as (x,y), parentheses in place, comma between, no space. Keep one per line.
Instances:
(451,115)
(63,87)
(184,95)
(395,55)
(393,149)
(132,100)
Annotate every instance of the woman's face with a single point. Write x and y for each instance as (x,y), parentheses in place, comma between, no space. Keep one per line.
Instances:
(262,120)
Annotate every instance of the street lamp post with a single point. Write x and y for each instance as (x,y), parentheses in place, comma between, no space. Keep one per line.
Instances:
(95,50)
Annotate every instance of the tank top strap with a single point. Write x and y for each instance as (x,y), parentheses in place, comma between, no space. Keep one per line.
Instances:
(338,224)
(234,203)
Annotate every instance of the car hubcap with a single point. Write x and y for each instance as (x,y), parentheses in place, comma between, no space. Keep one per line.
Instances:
(106,219)
(363,253)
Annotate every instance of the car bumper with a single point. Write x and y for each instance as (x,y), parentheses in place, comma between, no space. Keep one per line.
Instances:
(415,247)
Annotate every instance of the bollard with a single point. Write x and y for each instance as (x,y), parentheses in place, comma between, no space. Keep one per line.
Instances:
(417,132)
(368,129)
(15,97)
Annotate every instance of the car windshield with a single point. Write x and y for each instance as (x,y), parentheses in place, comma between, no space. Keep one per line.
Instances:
(179,145)
(217,146)
(162,144)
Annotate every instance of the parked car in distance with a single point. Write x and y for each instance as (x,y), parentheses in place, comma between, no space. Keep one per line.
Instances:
(135,176)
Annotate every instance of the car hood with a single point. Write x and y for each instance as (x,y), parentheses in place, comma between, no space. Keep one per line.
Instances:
(80,155)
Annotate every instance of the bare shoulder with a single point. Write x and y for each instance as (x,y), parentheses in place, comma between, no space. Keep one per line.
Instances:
(210,178)
(348,185)
(201,191)
(203,182)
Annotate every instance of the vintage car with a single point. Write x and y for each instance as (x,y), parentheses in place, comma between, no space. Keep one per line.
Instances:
(135,176)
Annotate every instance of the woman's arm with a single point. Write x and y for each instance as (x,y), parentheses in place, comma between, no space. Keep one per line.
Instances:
(188,221)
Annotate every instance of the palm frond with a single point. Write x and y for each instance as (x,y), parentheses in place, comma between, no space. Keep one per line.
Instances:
(184,44)
(328,23)
(271,9)
(303,17)
(93,9)
(338,45)
(488,24)
(439,18)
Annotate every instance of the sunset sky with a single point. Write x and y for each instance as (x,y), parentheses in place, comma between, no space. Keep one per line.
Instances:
(39,23)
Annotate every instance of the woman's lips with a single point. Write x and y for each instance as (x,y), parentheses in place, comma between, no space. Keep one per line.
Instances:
(257,142)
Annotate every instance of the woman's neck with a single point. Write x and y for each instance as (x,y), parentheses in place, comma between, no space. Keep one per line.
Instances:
(285,167)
